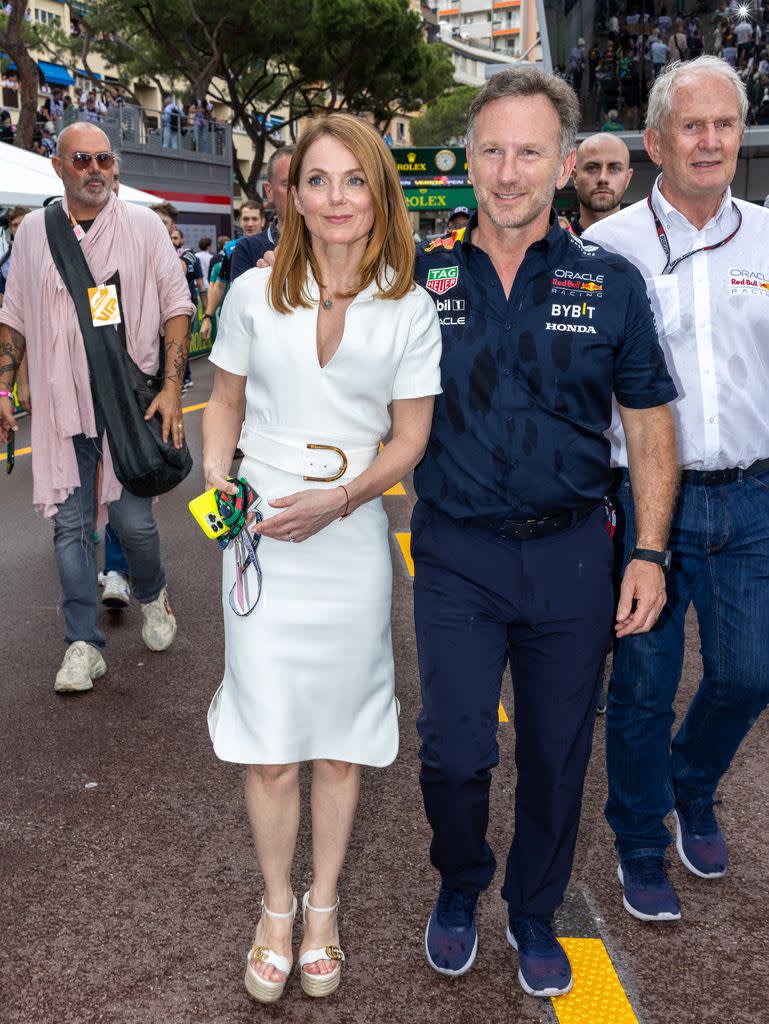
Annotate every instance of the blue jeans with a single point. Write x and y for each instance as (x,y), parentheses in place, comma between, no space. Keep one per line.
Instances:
(114,559)
(73,527)
(720,543)
(544,606)
(170,137)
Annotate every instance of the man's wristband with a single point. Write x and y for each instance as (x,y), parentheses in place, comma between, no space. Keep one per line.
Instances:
(660,558)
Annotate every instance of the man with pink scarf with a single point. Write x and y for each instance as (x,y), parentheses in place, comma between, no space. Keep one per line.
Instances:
(128,247)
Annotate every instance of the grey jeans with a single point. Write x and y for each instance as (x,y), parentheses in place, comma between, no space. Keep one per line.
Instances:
(132,520)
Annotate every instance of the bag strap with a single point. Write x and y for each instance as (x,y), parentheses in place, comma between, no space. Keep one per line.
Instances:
(71,264)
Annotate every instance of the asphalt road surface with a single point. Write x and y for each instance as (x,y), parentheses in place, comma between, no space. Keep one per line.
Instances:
(129,889)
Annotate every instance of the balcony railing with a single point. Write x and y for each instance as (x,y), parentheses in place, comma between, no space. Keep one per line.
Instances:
(126,123)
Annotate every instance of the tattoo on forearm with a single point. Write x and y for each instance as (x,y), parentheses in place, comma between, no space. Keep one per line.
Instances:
(179,361)
(12,347)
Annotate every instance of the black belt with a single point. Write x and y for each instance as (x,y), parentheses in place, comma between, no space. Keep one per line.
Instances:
(530,529)
(723,476)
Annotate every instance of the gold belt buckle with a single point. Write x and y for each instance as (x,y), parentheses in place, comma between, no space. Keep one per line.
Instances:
(342,470)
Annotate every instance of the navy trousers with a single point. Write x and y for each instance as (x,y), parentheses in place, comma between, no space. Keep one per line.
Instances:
(546,606)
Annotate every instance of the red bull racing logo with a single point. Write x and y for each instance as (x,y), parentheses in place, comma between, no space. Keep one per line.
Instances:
(747,282)
(447,242)
(570,282)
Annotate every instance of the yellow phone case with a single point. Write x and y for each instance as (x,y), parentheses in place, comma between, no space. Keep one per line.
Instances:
(206,513)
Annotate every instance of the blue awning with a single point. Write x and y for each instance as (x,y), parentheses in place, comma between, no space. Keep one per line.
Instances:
(84,74)
(55,74)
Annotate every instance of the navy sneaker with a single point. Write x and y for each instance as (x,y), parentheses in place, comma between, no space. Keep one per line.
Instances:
(451,939)
(649,894)
(543,967)
(700,841)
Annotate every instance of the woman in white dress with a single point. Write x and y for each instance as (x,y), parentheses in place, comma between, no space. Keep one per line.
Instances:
(323,357)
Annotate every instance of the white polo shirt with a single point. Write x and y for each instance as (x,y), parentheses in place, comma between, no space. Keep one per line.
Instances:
(712,316)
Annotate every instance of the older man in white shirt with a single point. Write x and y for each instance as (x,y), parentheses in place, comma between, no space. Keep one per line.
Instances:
(705,259)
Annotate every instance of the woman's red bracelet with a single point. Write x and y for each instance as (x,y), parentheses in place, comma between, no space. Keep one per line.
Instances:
(346,512)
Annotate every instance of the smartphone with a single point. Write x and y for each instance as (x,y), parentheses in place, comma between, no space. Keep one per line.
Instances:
(206,513)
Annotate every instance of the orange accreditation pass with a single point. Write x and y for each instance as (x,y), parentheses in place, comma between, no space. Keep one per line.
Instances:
(105,308)
(206,513)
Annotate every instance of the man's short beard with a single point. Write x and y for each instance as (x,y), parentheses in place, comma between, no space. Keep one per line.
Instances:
(514,219)
(600,204)
(86,198)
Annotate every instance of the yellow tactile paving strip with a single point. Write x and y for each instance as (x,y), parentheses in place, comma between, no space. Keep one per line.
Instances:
(597,996)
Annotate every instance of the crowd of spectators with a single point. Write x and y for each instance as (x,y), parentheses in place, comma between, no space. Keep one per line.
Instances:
(634,41)
(180,125)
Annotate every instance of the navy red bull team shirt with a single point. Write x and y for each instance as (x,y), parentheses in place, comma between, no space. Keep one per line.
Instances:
(528,379)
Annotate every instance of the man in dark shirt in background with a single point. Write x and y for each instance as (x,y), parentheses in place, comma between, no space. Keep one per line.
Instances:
(511,536)
(250,250)
(601,176)
(252,221)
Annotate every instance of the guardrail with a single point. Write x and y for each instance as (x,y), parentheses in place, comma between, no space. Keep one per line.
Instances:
(137,126)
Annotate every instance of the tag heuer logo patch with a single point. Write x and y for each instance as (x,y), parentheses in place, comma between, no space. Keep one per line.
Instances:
(439,281)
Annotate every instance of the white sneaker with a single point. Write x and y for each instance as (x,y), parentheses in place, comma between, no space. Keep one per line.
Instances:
(117,593)
(159,627)
(82,664)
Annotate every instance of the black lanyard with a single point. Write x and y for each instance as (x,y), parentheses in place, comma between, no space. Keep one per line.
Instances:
(670,267)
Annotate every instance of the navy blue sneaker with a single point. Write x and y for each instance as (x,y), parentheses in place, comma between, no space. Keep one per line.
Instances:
(649,894)
(451,939)
(543,967)
(700,841)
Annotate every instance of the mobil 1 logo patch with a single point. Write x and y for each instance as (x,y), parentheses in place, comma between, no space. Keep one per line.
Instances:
(442,279)
(451,312)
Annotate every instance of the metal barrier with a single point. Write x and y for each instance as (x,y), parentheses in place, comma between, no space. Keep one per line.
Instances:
(137,126)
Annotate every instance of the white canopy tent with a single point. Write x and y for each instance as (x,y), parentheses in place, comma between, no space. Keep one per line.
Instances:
(27,179)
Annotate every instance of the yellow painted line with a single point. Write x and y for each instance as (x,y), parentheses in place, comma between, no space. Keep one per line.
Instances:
(19,451)
(404,543)
(27,451)
(597,996)
(397,489)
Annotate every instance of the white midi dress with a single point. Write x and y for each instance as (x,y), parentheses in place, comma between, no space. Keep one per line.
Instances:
(309,674)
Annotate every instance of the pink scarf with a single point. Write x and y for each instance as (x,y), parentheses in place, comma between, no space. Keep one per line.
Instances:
(132,241)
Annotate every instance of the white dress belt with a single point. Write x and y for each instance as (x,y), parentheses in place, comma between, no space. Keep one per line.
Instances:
(310,459)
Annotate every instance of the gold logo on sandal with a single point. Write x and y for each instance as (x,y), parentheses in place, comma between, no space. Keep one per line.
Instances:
(334,953)
(258,953)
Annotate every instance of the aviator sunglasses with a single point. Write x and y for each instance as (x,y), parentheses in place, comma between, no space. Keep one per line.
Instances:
(82,160)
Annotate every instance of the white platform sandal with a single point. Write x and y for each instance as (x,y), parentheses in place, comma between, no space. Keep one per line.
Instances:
(320,984)
(260,988)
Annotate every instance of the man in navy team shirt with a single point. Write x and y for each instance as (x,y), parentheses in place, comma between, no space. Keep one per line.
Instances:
(512,533)
(511,536)
(250,250)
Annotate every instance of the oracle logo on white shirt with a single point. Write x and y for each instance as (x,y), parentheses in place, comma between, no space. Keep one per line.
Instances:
(747,282)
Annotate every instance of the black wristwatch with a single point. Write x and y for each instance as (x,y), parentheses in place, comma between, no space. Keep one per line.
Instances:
(660,558)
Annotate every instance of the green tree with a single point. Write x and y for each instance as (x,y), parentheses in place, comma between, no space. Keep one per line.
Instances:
(15,36)
(443,123)
(264,57)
